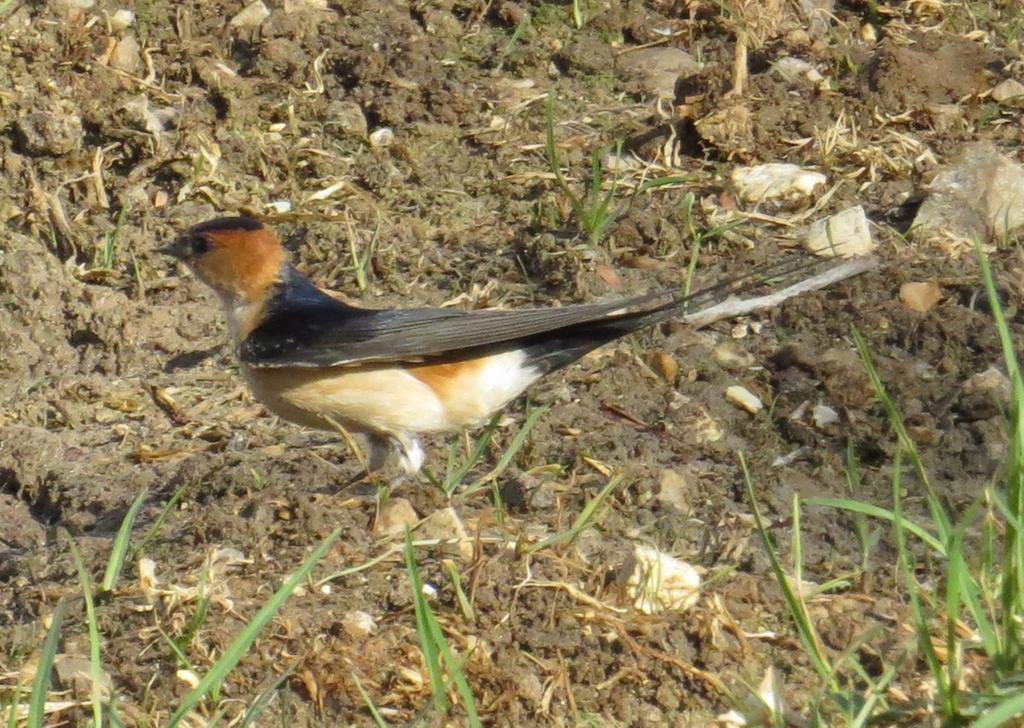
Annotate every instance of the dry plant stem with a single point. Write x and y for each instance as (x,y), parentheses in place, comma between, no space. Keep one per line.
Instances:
(741,307)
(364,463)
(739,67)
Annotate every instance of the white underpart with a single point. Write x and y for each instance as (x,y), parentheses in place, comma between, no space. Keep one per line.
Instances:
(239,314)
(502,379)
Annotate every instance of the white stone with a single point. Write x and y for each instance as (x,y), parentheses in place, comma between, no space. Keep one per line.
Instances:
(348,116)
(295,6)
(744,399)
(796,69)
(845,234)
(776,181)
(658,582)
(383,137)
(824,415)
(673,490)
(251,16)
(358,624)
(75,4)
(1008,89)
(730,356)
(121,19)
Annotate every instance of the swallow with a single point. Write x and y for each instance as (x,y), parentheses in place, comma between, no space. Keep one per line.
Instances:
(390,374)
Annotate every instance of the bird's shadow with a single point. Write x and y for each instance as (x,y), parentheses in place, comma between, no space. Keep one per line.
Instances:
(189,359)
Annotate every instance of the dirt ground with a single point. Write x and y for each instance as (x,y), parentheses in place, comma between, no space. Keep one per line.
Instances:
(115,372)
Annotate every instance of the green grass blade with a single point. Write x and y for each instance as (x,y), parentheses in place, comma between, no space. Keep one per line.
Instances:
(942,522)
(553,161)
(1012,588)
(652,184)
(860,523)
(454,669)
(435,645)
(903,560)
(41,681)
(377,717)
(465,605)
(1005,338)
(582,520)
(263,699)
(875,695)
(159,522)
(95,668)
(510,452)
(247,636)
(1006,713)
(474,456)
(804,626)
(421,608)
(883,513)
(113,719)
(969,592)
(12,707)
(120,548)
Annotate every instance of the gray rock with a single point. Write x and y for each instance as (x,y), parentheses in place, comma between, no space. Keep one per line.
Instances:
(981,196)
(656,70)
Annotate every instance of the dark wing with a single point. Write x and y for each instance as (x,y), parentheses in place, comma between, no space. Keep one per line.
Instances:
(307,328)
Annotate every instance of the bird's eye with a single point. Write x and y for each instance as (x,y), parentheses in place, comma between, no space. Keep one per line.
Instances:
(201,245)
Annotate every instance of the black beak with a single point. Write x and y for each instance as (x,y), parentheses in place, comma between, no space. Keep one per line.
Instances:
(178,249)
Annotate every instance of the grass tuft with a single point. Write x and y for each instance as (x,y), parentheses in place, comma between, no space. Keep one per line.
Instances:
(965,592)
(593,209)
(435,647)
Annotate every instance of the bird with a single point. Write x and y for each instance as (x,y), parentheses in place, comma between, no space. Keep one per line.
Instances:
(395,374)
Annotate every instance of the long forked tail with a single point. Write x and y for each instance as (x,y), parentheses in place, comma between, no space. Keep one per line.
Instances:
(555,349)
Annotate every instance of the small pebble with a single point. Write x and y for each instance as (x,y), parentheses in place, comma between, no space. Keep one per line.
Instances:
(445,525)
(730,356)
(358,624)
(251,16)
(383,137)
(348,116)
(920,296)
(121,19)
(127,55)
(656,70)
(394,517)
(744,399)
(1008,89)
(665,365)
(990,380)
(658,582)
(824,415)
(979,196)
(845,234)
(796,69)
(672,490)
(776,181)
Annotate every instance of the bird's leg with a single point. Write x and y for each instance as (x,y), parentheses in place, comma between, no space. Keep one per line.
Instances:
(410,452)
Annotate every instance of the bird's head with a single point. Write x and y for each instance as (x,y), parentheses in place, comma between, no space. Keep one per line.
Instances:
(238,257)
